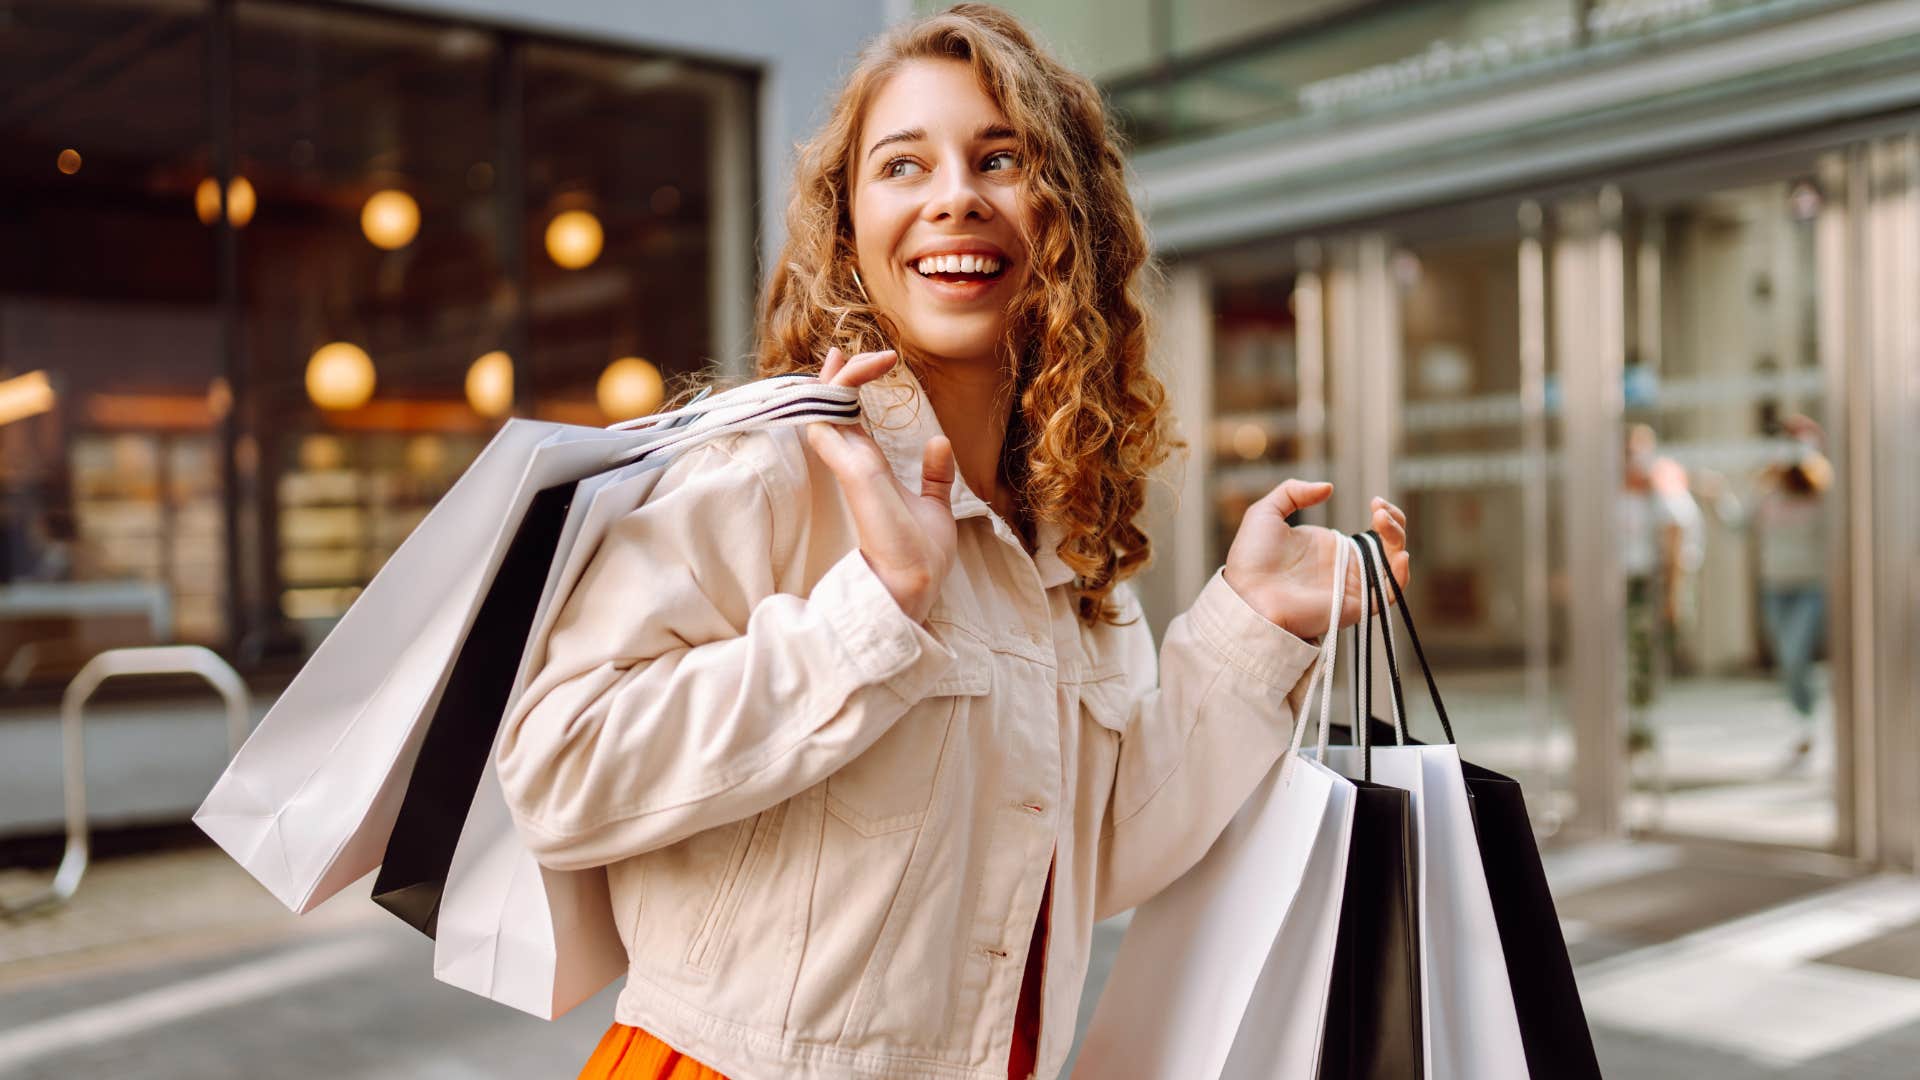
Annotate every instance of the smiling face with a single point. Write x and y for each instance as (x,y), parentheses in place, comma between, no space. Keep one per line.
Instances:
(937,214)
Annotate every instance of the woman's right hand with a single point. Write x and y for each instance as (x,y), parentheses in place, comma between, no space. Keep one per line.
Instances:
(907,537)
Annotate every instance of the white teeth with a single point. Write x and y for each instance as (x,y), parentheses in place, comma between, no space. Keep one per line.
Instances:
(958,264)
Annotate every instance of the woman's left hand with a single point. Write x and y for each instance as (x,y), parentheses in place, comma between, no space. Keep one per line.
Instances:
(1285,572)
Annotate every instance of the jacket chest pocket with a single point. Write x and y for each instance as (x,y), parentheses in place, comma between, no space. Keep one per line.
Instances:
(889,787)
(1106,698)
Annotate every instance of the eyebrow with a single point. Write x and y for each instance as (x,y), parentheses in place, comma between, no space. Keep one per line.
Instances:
(990,131)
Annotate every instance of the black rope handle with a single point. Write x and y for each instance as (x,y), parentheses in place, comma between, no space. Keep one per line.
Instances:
(1426,669)
(1371,569)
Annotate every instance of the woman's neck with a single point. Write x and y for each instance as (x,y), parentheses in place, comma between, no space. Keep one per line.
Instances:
(970,401)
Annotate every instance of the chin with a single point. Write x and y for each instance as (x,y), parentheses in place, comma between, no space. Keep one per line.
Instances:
(957,343)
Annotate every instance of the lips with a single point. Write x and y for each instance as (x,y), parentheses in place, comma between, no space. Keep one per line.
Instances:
(957,288)
(950,269)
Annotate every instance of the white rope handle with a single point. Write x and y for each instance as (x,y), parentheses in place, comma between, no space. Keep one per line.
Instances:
(1322,678)
(795,405)
(771,387)
(1360,672)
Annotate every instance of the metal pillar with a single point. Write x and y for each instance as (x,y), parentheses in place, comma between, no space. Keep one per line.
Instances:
(1589,346)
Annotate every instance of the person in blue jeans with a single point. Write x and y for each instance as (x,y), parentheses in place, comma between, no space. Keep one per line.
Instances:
(1789,521)
(1791,526)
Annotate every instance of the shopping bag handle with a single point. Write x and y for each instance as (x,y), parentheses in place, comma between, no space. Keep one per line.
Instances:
(698,405)
(1322,678)
(1373,600)
(791,405)
(1376,569)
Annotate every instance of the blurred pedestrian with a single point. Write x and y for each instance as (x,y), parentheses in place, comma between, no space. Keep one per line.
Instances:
(1662,541)
(1791,532)
(866,726)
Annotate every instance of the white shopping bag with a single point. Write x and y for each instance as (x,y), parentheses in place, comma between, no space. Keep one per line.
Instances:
(509,929)
(1226,972)
(1472,1028)
(308,803)
(538,939)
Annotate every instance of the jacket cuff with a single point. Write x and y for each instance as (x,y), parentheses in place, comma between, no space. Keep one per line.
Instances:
(1247,639)
(882,645)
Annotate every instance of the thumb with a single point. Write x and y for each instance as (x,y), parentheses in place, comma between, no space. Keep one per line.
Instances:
(936,471)
(1296,495)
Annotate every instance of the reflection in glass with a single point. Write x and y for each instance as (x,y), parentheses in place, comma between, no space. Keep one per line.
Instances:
(1726,563)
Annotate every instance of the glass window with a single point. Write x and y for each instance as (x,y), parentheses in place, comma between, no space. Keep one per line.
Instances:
(619,227)
(1255,437)
(112,526)
(430,227)
(371,282)
(1729,508)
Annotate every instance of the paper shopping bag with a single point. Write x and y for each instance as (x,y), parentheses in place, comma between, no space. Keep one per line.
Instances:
(1230,971)
(1502,999)
(507,928)
(309,802)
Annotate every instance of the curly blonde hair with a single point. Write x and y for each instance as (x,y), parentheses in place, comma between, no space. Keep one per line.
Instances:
(1090,426)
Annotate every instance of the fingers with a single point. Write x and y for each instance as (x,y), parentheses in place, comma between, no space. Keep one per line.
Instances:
(1391,523)
(841,370)
(849,451)
(937,470)
(1296,495)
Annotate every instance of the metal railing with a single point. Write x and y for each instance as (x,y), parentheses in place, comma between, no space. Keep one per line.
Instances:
(153,660)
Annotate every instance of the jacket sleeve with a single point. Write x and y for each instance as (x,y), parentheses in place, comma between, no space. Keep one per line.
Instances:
(1194,746)
(682,690)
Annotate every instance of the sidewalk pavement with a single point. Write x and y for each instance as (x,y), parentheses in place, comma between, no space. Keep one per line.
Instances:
(1722,741)
(1694,962)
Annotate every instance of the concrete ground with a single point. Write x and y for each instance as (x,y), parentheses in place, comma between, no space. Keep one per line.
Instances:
(1695,959)
(1716,770)
(1697,962)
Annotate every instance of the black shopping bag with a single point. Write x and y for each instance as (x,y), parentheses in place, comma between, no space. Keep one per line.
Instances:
(1553,1025)
(1373,1029)
(460,735)
(1375,1008)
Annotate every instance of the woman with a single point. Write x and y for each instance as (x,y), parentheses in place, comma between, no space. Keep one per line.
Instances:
(863,722)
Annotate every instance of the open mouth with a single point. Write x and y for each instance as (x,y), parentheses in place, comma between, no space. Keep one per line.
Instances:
(961,270)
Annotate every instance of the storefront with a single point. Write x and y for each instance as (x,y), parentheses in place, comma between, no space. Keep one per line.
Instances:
(271,273)
(1617,300)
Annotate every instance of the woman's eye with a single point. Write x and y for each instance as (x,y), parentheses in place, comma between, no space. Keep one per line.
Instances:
(1013,159)
(891,165)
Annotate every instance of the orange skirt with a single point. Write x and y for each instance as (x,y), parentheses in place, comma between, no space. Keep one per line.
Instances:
(628,1053)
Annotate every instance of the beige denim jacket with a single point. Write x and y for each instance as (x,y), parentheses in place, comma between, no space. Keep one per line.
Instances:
(827,828)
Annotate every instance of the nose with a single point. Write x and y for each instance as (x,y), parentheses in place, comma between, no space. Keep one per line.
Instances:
(956,195)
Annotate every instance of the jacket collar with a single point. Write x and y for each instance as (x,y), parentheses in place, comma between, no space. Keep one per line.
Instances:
(901,419)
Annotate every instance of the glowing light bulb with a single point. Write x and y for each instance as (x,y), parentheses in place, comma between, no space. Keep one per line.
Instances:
(390,219)
(340,375)
(629,387)
(490,384)
(574,239)
(241,201)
